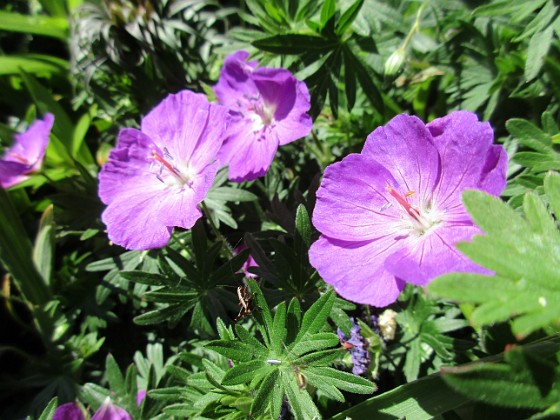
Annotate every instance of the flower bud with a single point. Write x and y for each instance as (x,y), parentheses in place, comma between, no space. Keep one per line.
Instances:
(395,62)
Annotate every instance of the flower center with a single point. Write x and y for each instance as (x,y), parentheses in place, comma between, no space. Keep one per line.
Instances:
(166,168)
(421,219)
(260,113)
(18,158)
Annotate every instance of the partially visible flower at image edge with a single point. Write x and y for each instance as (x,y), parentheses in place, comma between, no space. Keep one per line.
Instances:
(107,411)
(156,177)
(393,213)
(268,107)
(26,154)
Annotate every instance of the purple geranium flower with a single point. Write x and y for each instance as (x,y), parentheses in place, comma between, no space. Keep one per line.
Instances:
(108,411)
(268,108)
(155,178)
(26,155)
(393,213)
(68,411)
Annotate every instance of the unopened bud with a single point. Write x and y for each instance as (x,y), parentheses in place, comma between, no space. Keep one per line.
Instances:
(395,62)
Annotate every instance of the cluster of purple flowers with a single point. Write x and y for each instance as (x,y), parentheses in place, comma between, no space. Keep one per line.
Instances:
(157,176)
(388,216)
(357,346)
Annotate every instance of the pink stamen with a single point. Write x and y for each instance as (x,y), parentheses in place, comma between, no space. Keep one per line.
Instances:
(18,157)
(402,201)
(165,163)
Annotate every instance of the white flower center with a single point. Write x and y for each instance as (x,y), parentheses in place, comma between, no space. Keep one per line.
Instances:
(417,220)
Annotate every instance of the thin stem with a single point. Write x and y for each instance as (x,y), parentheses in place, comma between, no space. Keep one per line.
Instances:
(227,246)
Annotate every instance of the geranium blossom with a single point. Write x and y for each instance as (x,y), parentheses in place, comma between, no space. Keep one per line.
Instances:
(26,155)
(155,178)
(393,213)
(268,108)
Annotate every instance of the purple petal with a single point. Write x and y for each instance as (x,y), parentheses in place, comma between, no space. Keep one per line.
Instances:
(235,79)
(433,254)
(68,411)
(189,127)
(31,144)
(297,123)
(143,217)
(129,162)
(467,156)
(352,201)
(355,269)
(12,173)
(248,153)
(140,396)
(108,411)
(26,154)
(405,147)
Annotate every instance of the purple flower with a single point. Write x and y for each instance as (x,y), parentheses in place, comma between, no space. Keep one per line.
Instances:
(140,396)
(108,411)
(68,411)
(250,262)
(26,155)
(393,213)
(357,346)
(268,108)
(155,178)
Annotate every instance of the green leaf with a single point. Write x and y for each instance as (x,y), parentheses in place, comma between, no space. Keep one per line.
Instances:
(536,53)
(294,44)
(263,312)
(348,17)
(43,251)
(56,27)
(231,194)
(301,403)
(16,252)
(243,372)
(37,64)
(279,330)
(264,395)
(426,398)
(233,349)
(314,342)
(63,127)
(528,379)
(316,316)
(48,412)
(114,376)
(529,135)
(327,11)
(526,280)
(344,380)
(143,277)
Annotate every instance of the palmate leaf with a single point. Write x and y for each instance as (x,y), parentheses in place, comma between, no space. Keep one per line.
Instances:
(544,156)
(523,251)
(277,368)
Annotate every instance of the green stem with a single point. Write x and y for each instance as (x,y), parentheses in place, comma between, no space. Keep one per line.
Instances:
(415,26)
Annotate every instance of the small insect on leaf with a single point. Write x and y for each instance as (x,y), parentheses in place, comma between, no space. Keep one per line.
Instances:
(245,302)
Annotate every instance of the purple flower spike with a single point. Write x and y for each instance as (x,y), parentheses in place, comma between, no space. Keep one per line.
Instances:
(108,411)
(268,108)
(358,348)
(68,411)
(393,213)
(26,155)
(155,178)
